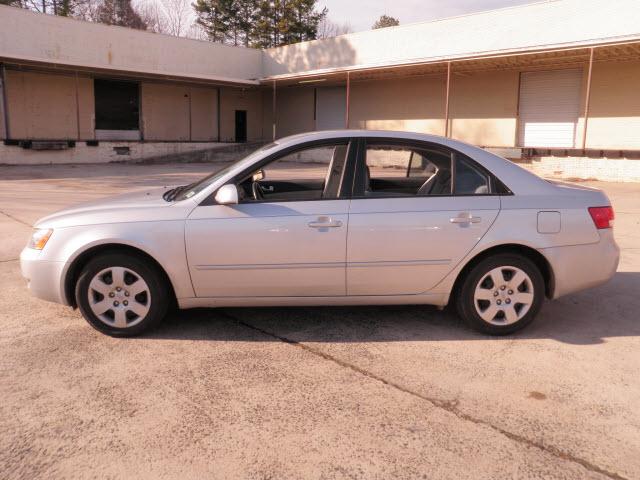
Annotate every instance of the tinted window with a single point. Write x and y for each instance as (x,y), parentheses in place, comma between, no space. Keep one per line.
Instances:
(311,173)
(469,179)
(400,170)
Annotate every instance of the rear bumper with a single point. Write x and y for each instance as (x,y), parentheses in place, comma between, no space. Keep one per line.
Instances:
(43,276)
(578,267)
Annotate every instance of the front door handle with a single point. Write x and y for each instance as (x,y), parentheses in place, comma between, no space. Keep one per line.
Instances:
(465,218)
(325,222)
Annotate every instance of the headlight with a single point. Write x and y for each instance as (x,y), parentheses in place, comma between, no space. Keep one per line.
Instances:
(39,238)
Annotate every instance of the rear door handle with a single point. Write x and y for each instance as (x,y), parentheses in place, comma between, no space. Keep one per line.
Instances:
(325,222)
(465,218)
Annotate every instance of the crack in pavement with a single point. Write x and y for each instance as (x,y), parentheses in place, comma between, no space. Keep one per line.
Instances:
(15,219)
(449,406)
(9,260)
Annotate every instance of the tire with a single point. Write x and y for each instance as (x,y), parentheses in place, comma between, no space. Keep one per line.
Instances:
(501,294)
(121,295)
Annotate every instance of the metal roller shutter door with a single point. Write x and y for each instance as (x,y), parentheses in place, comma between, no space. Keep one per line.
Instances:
(549,108)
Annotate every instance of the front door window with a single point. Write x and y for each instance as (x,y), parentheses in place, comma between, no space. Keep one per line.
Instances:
(312,173)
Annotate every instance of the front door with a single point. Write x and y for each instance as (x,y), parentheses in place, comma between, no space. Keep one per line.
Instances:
(286,237)
(414,218)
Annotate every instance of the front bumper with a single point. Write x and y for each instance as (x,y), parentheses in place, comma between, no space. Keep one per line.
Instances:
(578,267)
(44,277)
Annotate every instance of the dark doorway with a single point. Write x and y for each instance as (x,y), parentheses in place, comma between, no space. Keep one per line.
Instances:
(241,126)
(117,105)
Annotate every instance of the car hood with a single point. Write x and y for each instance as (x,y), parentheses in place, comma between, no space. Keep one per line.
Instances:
(141,205)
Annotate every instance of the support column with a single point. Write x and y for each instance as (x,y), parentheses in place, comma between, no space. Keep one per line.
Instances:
(218,113)
(446,104)
(587,99)
(3,99)
(274,110)
(346,113)
(77,109)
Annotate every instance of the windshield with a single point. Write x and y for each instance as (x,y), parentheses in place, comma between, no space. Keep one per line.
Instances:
(196,187)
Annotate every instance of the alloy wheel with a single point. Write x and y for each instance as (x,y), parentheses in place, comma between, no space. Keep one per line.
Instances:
(119,297)
(503,295)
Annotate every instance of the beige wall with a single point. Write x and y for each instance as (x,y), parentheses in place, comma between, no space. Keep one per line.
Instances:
(165,112)
(483,108)
(412,104)
(87,108)
(294,111)
(232,99)
(614,112)
(179,112)
(204,114)
(43,106)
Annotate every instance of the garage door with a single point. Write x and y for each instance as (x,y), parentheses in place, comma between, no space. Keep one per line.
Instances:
(549,108)
(330,108)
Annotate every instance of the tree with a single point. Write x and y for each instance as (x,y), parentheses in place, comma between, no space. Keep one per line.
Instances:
(281,22)
(171,17)
(14,3)
(240,16)
(305,20)
(119,12)
(327,28)
(213,17)
(386,21)
(64,8)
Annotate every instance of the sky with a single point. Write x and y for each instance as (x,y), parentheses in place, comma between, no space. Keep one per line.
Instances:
(361,14)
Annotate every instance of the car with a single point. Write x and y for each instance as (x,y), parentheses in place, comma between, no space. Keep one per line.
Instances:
(346,217)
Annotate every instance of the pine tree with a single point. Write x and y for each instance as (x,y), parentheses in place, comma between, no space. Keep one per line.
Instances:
(306,20)
(281,22)
(121,13)
(212,18)
(386,21)
(246,11)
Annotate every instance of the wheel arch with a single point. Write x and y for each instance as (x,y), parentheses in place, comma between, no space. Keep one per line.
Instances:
(78,263)
(528,252)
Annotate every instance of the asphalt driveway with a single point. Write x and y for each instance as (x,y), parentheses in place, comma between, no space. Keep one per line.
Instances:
(394,392)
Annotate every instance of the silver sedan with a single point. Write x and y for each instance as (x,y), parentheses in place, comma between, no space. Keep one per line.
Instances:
(344,217)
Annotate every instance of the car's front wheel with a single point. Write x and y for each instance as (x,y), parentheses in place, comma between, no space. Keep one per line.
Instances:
(501,294)
(121,295)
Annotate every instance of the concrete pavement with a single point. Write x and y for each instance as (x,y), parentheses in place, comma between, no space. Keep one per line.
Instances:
(393,392)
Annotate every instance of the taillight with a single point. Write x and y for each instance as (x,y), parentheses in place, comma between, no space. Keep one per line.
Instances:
(602,216)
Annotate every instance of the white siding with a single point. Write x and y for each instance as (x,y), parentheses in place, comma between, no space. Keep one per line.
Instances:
(549,108)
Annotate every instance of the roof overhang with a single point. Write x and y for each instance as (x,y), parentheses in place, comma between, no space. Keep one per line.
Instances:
(544,56)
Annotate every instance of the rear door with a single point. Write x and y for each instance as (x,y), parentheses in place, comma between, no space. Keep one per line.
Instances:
(417,210)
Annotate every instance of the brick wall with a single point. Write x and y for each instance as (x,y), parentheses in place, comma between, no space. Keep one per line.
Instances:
(582,168)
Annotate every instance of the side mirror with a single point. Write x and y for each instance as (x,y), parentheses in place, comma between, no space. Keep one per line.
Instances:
(258,175)
(227,195)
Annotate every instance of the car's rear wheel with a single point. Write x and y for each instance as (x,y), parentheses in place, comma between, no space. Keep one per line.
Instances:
(121,295)
(501,294)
